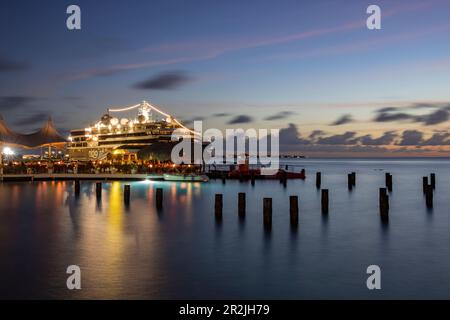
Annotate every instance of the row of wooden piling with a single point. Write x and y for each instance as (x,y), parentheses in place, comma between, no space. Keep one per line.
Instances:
(351,180)
(267,208)
(428,189)
(126,193)
(293,200)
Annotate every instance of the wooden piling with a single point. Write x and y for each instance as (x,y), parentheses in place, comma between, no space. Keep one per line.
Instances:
(384,203)
(252,177)
(218,205)
(241,204)
(318,179)
(383,193)
(126,194)
(350,181)
(429,196)
(353,179)
(424,183)
(433,180)
(388,179)
(267,213)
(224,179)
(98,189)
(159,198)
(324,201)
(293,210)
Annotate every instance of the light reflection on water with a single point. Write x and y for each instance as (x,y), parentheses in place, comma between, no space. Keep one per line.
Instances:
(181,252)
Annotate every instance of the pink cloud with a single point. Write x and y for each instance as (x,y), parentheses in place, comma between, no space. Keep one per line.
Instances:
(362,45)
(205,50)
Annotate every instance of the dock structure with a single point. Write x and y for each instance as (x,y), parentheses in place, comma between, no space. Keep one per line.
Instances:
(81,176)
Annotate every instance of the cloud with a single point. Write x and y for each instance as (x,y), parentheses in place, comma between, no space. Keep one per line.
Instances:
(436,117)
(164,81)
(7,65)
(10,102)
(291,136)
(327,150)
(423,105)
(208,50)
(240,119)
(389,117)
(190,122)
(316,133)
(440,113)
(386,139)
(279,115)
(33,119)
(348,142)
(221,114)
(438,139)
(347,138)
(387,109)
(411,138)
(346,118)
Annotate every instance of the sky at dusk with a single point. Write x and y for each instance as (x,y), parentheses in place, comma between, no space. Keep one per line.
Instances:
(309,68)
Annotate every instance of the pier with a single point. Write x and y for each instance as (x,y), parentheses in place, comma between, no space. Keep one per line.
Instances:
(80,176)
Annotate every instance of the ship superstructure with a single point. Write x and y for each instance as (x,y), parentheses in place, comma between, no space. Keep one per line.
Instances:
(113,136)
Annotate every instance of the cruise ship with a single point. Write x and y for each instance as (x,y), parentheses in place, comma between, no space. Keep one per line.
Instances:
(115,138)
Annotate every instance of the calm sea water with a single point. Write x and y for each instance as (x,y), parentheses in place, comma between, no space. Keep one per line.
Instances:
(183,253)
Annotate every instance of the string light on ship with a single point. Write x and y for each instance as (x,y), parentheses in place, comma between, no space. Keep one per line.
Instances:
(145,105)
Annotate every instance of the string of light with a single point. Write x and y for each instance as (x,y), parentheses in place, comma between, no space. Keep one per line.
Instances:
(124,108)
(146,104)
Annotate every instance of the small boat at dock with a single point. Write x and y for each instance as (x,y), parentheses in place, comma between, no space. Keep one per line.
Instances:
(186,177)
